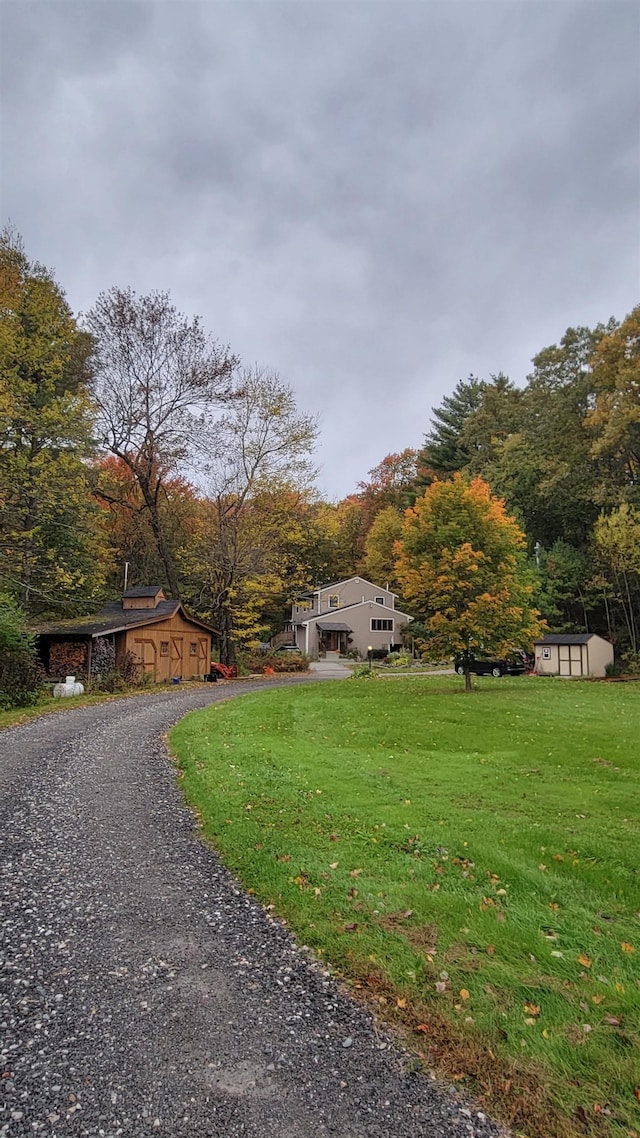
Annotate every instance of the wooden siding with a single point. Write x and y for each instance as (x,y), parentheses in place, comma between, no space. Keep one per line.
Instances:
(143,602)
(171,649)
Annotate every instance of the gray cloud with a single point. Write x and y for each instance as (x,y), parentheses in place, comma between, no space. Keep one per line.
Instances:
(374,199)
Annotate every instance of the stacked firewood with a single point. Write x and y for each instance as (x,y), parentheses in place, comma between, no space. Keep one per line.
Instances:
(68,658)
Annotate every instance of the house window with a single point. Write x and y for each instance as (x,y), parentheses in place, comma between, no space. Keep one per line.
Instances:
(546,653)
(193,648)
(164,647)
(334,601)
(378,625)
(379,600)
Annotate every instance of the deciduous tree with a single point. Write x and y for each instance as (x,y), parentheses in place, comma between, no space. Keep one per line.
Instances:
(51,553)
(158,375)
(614,420)
(257,467)
(617,541)
(462,565)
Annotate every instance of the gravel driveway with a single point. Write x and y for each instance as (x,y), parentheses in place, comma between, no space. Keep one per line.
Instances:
(142,991)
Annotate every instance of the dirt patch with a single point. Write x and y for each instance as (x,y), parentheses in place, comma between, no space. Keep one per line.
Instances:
(516,1091)
(424,938)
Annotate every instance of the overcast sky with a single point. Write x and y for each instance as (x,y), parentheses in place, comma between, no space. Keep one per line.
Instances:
(373,199)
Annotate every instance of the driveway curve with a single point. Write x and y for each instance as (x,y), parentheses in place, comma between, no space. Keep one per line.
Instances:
(142,991)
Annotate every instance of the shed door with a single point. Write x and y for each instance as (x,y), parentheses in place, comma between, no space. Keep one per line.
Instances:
(204,662)
(564,659)
(576,660)
(176,656)
(145,650)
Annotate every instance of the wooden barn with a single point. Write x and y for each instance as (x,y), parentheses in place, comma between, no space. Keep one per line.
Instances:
(163,640)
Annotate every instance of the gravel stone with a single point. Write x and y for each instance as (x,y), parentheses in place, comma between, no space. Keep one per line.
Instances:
(141,990)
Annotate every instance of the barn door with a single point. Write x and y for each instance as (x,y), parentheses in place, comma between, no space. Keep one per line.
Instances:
(145,650)
(176,656)
(204,662)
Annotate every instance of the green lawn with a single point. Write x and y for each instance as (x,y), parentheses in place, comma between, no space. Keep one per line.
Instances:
(470,862)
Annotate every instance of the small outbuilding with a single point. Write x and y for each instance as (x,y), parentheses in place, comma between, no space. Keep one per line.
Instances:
(572,654)
(155,632)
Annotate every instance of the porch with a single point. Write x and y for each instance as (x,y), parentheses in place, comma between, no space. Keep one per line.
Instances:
(333,638)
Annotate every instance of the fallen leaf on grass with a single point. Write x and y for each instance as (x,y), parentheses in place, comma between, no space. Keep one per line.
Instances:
(597,999)
(612,1021)
(401,1002)
(422,1027)
(334,865)
(440,986)
(532,1009)
(355,873)
(490,950)
(464,993)
(626,947)
(584,960)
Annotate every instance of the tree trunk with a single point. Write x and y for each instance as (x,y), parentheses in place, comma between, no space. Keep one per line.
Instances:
(468,686)
(164,552)
(227,647)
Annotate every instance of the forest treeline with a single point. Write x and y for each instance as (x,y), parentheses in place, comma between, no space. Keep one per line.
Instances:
(129,435)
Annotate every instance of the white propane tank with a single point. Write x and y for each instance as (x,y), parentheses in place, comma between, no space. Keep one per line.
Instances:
(69,687)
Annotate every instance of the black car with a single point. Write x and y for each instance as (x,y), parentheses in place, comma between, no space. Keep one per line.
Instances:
(515,664)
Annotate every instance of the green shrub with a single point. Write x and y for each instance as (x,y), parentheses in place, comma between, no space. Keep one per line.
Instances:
(363,672)
(21,678)
(120,676)
(630,664)
(278,662)
(13,625)
(21,674)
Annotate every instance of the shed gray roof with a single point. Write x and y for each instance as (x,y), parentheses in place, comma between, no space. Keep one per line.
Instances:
(113,618)
(139,591)
(566,638)
(356,605)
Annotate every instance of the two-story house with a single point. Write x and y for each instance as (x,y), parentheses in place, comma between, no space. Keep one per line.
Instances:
(346,616)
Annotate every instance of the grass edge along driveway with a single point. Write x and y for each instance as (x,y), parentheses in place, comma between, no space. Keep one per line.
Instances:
(469,863)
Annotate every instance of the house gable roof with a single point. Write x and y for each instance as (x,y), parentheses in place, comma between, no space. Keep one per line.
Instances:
(346,581)
(113,618)
(322,616)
